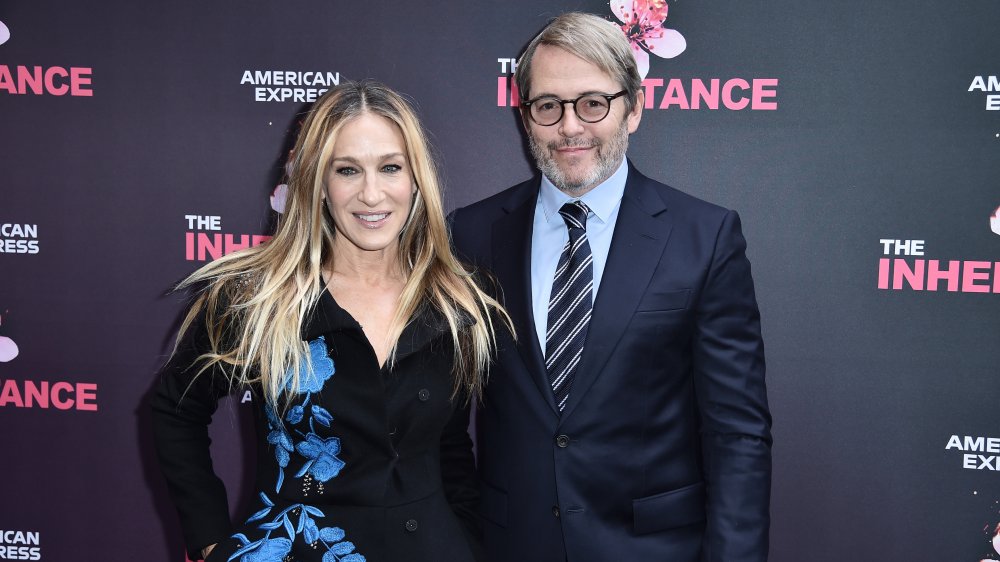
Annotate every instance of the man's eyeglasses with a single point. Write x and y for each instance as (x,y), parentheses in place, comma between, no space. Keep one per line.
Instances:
(589,108)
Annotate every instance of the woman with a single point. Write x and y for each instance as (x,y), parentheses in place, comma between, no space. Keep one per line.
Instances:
(363,339)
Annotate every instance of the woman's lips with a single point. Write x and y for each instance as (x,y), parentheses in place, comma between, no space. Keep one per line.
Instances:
(372,220)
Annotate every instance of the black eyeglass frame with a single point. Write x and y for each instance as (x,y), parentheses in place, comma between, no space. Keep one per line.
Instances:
(562,106)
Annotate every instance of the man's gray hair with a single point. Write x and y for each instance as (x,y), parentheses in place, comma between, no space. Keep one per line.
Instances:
(595,40)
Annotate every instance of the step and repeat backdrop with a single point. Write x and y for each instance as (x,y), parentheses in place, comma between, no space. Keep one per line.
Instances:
(860,141)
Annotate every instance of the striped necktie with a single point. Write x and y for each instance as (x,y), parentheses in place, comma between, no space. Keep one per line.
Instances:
(570,304)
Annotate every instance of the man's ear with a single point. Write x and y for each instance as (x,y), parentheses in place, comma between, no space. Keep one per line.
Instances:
(635,116)
(523,111)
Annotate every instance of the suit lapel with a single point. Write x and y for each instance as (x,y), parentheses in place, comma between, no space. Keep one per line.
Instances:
(511,240)
(640,235)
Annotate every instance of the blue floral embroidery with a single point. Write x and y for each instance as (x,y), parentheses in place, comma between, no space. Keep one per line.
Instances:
(321,415)
(282,447)
(294,415)
(269,549)
(299,435)
(265,550)
(322,462)
(322,369)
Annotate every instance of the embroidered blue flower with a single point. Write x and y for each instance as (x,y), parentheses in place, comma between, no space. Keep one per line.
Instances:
(282,446)
(278,437)
(322,453)
(321,415)
(309,529)
(339,556)
(267,549)
(322,368)
(294,414)
(331,534)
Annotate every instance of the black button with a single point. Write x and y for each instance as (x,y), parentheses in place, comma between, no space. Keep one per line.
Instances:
(562,441)
(411,525)
(555,510)
(424,394)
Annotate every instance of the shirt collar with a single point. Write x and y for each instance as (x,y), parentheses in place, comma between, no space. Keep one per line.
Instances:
(602,200)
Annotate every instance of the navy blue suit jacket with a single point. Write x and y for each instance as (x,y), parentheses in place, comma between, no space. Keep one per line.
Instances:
(663,451)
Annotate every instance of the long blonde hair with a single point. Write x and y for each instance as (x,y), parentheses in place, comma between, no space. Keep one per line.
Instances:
(256,301)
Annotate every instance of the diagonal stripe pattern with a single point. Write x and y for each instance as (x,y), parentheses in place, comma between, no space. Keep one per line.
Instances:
(570,304)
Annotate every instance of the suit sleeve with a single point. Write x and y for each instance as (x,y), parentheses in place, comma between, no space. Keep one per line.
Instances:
(183,405)
(467,238)
(455,231)
(728,359)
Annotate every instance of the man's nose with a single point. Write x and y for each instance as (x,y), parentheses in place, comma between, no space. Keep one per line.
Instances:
(570,125)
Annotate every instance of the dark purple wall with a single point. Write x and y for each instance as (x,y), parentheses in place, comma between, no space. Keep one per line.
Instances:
(870,124)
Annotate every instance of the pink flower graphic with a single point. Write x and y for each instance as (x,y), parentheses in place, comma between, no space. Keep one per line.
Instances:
(280,193)
(642,22)
(278,197)
(995,542)
(8,349)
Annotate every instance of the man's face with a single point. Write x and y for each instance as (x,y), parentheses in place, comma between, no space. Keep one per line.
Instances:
(574,155)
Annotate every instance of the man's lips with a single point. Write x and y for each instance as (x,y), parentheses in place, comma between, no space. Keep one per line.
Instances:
(572,150)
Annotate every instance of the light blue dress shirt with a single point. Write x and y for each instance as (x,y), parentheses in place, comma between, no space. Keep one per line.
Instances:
(549,235)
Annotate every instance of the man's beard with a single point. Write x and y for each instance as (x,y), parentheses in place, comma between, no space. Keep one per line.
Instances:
(609,157)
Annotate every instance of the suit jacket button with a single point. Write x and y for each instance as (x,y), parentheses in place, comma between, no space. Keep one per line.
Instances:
(555,510)
(411,525)
(562,441)
(424,395)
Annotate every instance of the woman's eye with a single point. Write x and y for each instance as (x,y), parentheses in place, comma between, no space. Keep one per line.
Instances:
(391,168)
(347,171)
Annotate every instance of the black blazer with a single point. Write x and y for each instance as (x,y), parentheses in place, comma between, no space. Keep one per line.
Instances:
(663,449)
(366,461)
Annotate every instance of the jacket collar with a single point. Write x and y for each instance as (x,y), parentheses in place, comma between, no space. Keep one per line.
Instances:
(637,245)
(426,325)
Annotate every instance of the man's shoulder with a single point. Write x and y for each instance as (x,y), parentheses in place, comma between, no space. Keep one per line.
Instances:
(675,201)
(498,204)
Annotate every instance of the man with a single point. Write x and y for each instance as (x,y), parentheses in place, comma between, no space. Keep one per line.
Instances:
(629,420)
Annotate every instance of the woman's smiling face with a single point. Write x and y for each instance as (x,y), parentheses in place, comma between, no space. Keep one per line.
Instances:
(370,186)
